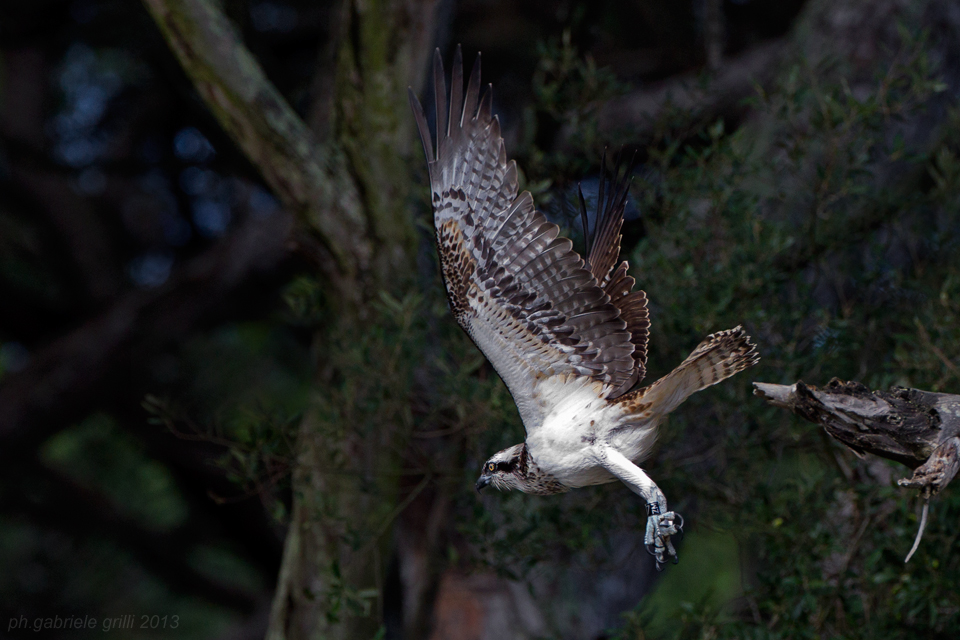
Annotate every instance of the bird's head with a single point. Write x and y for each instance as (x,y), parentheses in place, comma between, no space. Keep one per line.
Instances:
(505,470)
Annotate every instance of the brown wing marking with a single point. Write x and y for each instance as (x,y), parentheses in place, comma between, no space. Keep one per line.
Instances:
(458,266)
(488,294)
(530,248)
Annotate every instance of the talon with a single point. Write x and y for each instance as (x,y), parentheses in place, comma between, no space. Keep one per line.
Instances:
(660,526)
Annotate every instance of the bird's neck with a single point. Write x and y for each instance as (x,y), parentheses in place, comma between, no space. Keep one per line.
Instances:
(536,480)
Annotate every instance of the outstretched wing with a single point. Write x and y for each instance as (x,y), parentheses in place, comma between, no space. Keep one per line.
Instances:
(603,250)
(515,285)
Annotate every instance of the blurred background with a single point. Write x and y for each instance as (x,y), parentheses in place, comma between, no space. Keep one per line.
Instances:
(233,400)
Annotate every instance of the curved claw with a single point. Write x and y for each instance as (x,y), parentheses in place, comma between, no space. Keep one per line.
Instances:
(657,539)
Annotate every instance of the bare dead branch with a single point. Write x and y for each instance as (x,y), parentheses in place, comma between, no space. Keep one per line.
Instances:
(919,429)
(934,474)
(904,425)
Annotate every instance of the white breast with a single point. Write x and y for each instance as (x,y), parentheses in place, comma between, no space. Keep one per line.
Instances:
(576,418)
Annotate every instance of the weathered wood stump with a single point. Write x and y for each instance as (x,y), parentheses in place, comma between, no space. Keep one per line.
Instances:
(919,429)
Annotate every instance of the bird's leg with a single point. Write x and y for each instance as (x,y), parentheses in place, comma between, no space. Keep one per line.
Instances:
(661,522)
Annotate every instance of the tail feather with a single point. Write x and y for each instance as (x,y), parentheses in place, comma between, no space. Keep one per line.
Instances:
(718,357)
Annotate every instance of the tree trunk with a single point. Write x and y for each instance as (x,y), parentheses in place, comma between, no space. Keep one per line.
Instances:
(349,190)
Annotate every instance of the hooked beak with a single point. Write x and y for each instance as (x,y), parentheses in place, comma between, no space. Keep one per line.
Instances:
(482,482)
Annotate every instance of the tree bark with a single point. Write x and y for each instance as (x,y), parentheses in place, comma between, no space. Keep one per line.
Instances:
(310,179)
(349,189)
(919,429)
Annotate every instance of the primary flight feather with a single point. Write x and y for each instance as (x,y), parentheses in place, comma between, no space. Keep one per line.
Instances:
(568,336)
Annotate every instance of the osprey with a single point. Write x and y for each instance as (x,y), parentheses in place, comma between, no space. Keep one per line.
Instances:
(568,336)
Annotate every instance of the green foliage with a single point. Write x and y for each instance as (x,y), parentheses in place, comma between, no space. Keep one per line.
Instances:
(94,576)
(97,453)
(828,228)
(245,388)
(568,89)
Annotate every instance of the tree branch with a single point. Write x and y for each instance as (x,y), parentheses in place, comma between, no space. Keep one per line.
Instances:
(906,425)
(63,379)
(634,118)
(309,179)
(919,429)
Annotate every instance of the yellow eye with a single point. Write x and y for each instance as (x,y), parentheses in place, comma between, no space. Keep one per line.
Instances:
(491,467)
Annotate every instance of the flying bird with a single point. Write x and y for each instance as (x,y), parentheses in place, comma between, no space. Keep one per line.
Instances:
(567,335)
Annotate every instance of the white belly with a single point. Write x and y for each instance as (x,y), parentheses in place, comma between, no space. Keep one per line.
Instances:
(576,419)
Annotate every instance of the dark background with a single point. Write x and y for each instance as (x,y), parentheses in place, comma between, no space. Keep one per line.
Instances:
(797,173)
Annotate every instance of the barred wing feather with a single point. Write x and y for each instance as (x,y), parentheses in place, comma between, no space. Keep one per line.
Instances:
(517,287)
(603,250)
